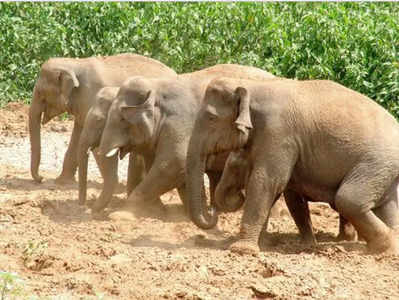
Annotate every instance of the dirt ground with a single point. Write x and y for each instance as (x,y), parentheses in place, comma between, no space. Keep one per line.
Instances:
(58,251)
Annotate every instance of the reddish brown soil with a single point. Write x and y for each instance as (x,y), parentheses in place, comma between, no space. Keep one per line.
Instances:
(61,252)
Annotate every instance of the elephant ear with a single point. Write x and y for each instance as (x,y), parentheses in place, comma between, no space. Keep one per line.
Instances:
(243,121)
(68,81)
(133,113)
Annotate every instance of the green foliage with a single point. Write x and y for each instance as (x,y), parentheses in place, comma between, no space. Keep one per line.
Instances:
(11,286)
(356,44)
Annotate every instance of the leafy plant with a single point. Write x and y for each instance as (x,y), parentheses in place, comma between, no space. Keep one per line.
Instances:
(356,44)
(34,255)
(11,285)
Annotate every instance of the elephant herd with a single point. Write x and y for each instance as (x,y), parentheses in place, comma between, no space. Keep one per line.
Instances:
(255,135)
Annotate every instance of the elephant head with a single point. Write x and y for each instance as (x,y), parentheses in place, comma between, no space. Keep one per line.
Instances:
(223,124)
(91,134)
(229,195)
(132,117)
(51,97)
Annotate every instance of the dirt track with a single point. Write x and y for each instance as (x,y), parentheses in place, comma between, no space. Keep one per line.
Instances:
(60,252)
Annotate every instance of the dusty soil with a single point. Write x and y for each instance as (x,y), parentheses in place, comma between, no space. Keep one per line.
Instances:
(60,252)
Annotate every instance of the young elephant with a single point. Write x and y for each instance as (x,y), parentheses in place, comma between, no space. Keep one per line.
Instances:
(229,197)
(316,139)
(70,85)
(155,119)
(90,139)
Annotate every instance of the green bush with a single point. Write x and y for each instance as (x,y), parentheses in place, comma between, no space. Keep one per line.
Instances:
(356,44)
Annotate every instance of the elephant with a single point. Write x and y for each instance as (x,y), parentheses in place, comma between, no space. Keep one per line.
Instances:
(312,138)
(233,182)
(70,85)
(155,117)
(90,139)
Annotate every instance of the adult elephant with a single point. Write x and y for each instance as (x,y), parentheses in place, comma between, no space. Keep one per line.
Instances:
(230,196)
(155,118)
(70,85)
(312,138)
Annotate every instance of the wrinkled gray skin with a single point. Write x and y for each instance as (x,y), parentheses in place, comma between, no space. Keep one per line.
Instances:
(155,118)
(229,197)
(316,139)
(90,139)
(70,85)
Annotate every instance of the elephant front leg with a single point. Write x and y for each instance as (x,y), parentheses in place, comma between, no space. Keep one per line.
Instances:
(144,200)
(136,172)
(70,164)
(261,194)
(109,170)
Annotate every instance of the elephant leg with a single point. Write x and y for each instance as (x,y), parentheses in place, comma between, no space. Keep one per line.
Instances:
(267,180)
(109,170)
(388,212)
(346,230)
(70,164)
(356,199)
(299,209)
(136,172)
(262,191)
(159,180)
(263,232)
(162,177)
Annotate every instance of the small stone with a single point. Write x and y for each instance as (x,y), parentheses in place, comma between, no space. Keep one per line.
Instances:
(259,292)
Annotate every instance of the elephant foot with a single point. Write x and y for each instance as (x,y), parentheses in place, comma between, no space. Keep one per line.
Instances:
(122,215)
(99,205)
(308,240)
(347,233)
(243,247)
(346,236)
(38,178)
(388,244)
(65,180)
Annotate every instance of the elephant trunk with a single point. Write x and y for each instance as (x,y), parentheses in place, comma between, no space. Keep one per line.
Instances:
(35,115)
(83,157)
(228,199)
(201,215)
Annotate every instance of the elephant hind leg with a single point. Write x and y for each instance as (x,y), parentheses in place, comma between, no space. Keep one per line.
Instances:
(299,210)
(355,200)
(388,212)
(70,163)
